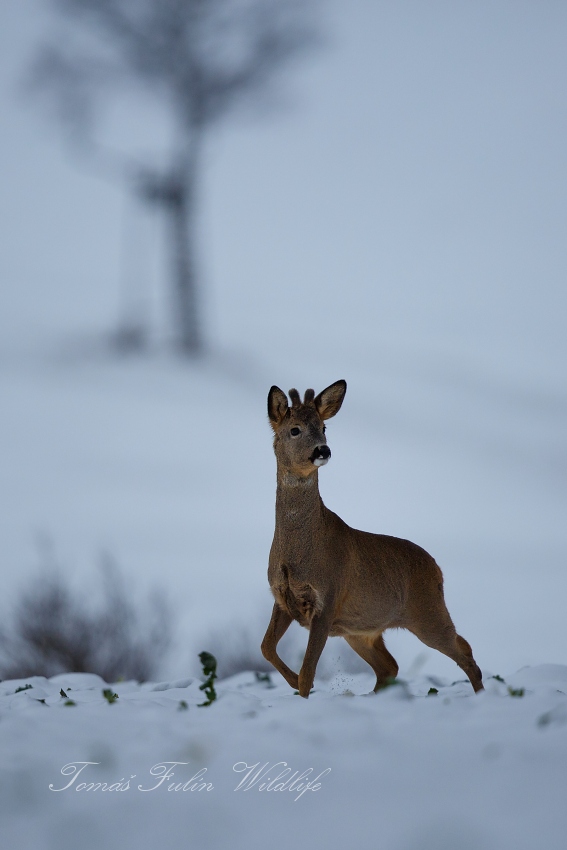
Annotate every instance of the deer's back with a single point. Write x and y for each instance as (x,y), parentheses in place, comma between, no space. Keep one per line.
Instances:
(387,579)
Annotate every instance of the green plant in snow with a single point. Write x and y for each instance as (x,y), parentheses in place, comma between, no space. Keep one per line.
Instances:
(209,663)
(23,688)
(516,692)
(109,695)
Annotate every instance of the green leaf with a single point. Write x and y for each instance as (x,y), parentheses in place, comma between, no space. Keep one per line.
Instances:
(109,695)
(209,663)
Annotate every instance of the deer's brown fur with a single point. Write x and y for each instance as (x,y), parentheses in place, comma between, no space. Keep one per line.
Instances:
(333,579)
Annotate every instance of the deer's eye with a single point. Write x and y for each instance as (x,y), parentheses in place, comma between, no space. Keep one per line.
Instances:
(294,432)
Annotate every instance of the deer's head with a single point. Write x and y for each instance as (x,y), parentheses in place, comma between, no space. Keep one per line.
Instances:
(300,444)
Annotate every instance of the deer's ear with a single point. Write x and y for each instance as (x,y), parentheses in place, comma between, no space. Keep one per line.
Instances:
(277,406)
(328,402)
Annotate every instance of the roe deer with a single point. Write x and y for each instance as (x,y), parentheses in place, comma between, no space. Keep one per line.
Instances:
(333,579)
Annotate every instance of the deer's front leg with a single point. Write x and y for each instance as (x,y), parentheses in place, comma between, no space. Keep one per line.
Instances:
(278,626)
(318,634)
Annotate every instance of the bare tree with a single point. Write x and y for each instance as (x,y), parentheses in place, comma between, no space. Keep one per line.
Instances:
(202,58)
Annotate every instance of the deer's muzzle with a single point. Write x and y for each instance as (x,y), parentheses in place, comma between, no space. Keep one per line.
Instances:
(320,455)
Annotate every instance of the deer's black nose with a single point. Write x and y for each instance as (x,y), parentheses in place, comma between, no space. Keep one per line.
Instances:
(321,453)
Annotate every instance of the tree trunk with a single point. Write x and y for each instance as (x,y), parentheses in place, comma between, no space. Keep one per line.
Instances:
(181,214)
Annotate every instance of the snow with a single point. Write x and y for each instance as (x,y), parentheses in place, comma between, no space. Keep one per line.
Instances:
(398,769)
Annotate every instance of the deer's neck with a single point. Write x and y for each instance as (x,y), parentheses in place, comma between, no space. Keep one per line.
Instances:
(299,507)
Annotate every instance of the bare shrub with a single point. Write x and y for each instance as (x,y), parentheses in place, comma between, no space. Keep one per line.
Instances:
(54,630)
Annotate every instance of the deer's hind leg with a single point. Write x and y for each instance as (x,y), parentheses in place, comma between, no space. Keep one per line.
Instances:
(446,640)
(279,624)
(373,650)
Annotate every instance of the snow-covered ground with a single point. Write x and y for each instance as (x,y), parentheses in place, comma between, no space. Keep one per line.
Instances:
(261,767)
